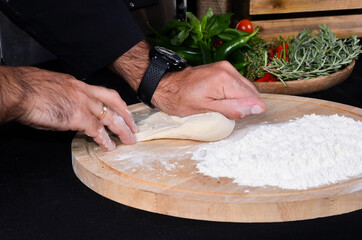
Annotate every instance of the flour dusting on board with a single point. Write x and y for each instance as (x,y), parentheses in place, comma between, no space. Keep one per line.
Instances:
(308,152)
(156,161)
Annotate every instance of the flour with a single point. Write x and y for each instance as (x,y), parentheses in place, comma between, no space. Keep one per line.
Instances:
(159,161)
(304,153)
(106,141)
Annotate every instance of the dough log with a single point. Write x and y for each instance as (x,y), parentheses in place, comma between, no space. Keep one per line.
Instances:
(210,126)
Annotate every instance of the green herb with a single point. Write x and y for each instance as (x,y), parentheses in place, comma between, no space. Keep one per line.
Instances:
(230,33)
(192,55)
(256,53)
(193,33)
(314,55)
(201,35)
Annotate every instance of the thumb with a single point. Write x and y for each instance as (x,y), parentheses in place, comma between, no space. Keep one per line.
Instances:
(238,108)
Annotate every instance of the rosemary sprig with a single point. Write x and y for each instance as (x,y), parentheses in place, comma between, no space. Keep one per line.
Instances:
(314,55)
(257,55)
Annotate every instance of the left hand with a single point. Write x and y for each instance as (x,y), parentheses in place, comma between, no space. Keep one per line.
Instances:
(216,87)
(55,101)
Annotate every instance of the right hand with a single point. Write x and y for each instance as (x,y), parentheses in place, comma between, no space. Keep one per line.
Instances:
(216,87)
(55,101)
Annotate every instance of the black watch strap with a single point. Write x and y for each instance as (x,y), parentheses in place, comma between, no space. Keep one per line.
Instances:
(151,79)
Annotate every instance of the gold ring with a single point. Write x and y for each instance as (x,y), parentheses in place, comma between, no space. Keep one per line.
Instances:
(103,113)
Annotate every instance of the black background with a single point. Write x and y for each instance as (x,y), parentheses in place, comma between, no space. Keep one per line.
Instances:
(41,198)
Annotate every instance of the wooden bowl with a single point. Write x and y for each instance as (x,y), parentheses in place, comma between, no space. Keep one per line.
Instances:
(304,86)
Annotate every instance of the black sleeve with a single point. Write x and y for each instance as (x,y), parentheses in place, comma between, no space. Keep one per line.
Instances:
(86,35)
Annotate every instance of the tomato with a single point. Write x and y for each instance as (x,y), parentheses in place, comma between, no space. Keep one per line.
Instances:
(245,25)
(218,43)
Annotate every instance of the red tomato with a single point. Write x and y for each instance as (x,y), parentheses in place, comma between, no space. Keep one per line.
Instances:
(218,43)
(245,26)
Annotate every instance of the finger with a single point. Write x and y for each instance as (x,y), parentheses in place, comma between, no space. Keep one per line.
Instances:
(238,108)
(95,129)
(118,126)
(92,126)
(112,99)
(113,121)
(121,109)
(104,140)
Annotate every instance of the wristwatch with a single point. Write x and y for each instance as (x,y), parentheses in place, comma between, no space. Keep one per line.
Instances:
(162,60)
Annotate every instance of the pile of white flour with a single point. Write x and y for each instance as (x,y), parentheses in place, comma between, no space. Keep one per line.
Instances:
(307,152)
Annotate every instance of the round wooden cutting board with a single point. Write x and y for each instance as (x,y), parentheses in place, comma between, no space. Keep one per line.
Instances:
(159,176)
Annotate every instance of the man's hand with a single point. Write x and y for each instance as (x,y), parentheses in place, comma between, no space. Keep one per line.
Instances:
(55,101)
(216,87)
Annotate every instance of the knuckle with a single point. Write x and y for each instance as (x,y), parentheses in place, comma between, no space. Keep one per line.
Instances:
(82,97)
(224,64)
(113,93)
(224,74)
(93,129)
(76,83)
(118,120)
(95,126)
(70,77)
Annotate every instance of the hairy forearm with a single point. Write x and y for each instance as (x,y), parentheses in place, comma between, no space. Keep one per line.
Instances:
(133,64)
(13,93)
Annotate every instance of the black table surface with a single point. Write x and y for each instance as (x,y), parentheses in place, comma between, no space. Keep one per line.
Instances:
(41,198)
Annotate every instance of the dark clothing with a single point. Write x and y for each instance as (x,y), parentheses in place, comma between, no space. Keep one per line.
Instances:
(85,35)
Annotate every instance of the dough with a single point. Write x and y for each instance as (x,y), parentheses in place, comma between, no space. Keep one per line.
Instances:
(210,126)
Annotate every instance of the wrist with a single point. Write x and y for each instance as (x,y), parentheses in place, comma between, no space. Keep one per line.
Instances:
(133,64)
(170,91)
(162,61)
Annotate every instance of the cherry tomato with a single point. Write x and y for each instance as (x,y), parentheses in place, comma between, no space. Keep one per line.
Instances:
(245,25)
(218,43)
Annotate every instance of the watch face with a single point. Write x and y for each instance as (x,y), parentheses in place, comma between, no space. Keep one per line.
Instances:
(164,51)
(175,61)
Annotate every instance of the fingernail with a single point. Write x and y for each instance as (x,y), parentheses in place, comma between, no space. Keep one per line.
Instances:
(133,138)
(128,140)
(111,146)
(256,109)
(134,127)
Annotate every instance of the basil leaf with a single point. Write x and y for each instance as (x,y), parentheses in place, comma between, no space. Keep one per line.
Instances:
(180,38)
(194,22)
(231,33)
(196,33)
(190,42)
(217,24)
(206,18)
(175,24)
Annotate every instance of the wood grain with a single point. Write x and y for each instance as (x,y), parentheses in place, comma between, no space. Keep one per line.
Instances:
(159,176)
(291,6)
(305,86)
(342,26)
